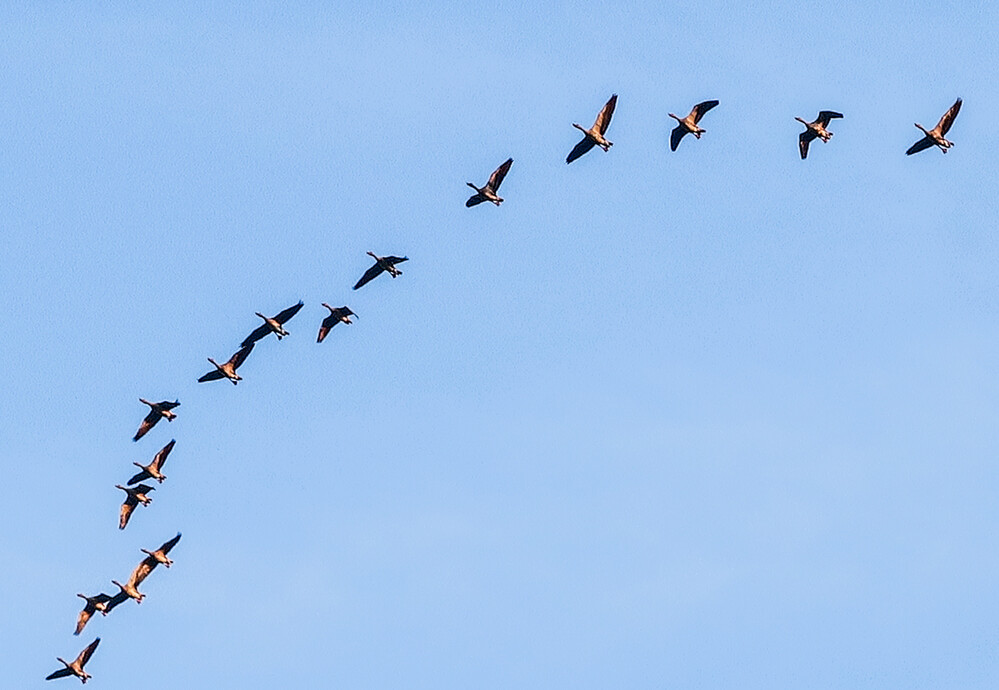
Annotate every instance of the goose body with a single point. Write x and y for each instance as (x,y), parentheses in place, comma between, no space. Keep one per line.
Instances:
(815,130)
(936,136)
(688,125)
(594,136)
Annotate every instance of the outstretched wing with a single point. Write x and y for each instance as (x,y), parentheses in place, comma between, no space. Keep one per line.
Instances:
(139,476)
(142,571)
(147,423)
(604,118)
(582,147)
(160,458)
(210,376)
(237,359)
(118,598)
(473,200)
(369,275)
(396,259)
(496,179)
(920,145)
(826,115)
(701,108)
(87,653)
(167,405)
(126,511)
(675,136)
(285,316)
(165,548)
(804,139)
(81,621)
(948,118)
(255,335)
(61,673)
(327,326)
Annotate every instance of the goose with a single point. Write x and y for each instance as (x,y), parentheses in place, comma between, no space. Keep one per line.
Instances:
(76,668)
(154,558)
(489,192)
(816,130)
(156,412)
(153,469)
(228,370)
(688,125)
(594,136)
(274,325)
(126,591)
(337,315)
(136,495)
(935,136)
(94,604)
(382,263)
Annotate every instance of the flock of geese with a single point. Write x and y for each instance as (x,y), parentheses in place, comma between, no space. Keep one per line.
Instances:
(137,492)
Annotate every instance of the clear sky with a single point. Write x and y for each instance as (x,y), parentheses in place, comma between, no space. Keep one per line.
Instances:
(708,419)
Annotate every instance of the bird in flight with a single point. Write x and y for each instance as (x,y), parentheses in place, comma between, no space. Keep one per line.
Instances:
(688,125)
(382,263)
(337,315)
(816,130)
(152,470)
(272,325)
(76,668)
(228,370)
(936,136)
(594,136)
(490,191)
(157,411)
(135,495)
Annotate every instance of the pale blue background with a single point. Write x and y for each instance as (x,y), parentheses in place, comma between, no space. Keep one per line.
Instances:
(712,419)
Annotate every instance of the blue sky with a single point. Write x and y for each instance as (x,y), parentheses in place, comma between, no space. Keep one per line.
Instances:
(698,419)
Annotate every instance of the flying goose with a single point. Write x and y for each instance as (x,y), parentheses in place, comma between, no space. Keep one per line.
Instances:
(337,315)
(152,470)
(816,130)
(156,412)
(152,559)
(76,668)
(382,263)
(228,370)
(594,136)
(489,192)
(136,495)
(688,125)
(935,136)
(94,604)
(126,591)
(275,325)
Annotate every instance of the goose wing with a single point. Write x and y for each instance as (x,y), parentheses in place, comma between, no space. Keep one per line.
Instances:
(327,326)
(167,545)
(160,458)
(167,405)
(826,115)
(147,423)
(285,316)
(210,376)
(920,145)
(61,673)
(604,118)
(142,571)
(701,108)
(579,149)
(118,598)
(496,179)
(237,359)
(126,511)
(88,652)
(395,259)
(804,139)
(255,335)
(369,275)
(948,118)
(139,476)
(676,136)
(473,200)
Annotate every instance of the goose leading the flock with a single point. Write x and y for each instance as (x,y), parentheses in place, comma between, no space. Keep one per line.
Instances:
(594,136)
(688,125)
(382,263)
(816,130)
(76,668)
(272,325)
(489,192)
(136,494)
(157,411)
(228,370)
(153,469)
(935,136)
(94,604)
(337,315)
